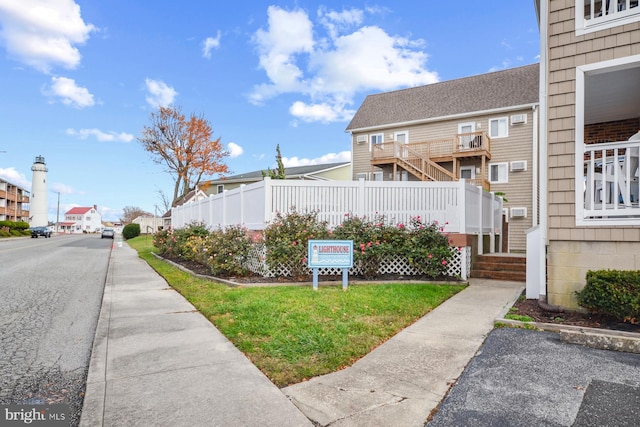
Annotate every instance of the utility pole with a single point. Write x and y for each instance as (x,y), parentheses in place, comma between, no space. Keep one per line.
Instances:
(58,215)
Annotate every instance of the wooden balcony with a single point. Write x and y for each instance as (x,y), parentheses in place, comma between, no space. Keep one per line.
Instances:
(424,159)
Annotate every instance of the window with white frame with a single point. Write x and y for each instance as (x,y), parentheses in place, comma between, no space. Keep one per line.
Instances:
(220,188)
(499,128)
(595,15)
(499,173)
(467,172)
(376,138)
(378,176)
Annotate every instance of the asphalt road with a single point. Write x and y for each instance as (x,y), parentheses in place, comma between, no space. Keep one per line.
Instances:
(50,296)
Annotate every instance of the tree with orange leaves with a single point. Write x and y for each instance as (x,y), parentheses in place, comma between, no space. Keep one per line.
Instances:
(185,146)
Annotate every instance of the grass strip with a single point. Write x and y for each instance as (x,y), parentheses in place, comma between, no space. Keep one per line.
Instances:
(294,333)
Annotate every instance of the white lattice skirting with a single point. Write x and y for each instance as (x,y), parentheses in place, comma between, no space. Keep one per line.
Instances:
(459,266)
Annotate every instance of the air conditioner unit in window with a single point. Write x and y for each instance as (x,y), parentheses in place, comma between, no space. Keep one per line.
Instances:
(518,212)
(361,139)
(518,118)
(519,165)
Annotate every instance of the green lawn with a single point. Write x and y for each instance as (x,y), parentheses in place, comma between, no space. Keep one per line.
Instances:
(294,333)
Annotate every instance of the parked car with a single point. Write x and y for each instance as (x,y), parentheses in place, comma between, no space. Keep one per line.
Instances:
(40,231)
(108,233)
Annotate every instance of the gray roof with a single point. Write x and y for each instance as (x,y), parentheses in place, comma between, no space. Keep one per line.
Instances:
(292,172)
(500,89)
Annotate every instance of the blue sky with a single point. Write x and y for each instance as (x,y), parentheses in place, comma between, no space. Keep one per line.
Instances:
(78,80)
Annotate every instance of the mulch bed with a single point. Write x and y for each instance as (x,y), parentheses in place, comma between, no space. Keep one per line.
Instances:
(530,307)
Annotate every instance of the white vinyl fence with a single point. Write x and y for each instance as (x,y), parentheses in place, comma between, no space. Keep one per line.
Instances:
(457,206)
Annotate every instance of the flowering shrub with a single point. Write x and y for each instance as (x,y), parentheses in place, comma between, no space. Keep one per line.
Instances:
(172,242)
(427,248)
(166,242)
(286,240)
(227,251)
(373,240)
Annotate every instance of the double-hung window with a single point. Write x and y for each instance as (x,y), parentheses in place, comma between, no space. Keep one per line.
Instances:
(499,128)
(499,173)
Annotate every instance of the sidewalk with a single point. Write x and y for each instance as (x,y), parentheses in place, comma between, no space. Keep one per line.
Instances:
(157,361)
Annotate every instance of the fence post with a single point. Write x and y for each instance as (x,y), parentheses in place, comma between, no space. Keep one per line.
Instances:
(268,200)
(361,197)
(481,221)
(462,206)
(210,201)
(241,194)
(492,234)
(224,210)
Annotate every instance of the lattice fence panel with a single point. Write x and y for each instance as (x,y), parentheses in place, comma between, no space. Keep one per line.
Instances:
(393,265)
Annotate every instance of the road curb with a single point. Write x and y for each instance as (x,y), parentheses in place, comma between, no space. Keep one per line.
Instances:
(603,339)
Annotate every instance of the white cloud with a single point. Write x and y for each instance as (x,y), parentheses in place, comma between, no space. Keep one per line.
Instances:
(330,70)
(336,22)
(62,188)
(289,34)
(234,150)
(343,156)
(43,34)
(210,43)
(160,94)
(323,112)
(100,135)
(69,93)
(15,177)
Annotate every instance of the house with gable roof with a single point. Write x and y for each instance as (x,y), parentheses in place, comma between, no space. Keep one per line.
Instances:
(339,171)
(590,145)
(81,220)
(483,129)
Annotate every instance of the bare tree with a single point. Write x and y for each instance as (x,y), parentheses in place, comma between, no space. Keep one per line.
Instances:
(129,213)
(164,200)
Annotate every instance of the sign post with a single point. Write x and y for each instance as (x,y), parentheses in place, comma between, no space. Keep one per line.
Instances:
(330,254)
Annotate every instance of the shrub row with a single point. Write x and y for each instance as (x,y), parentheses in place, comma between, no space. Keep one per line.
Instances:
(14,225)
(226,251)
(612,292)
(130,231)
(14,228)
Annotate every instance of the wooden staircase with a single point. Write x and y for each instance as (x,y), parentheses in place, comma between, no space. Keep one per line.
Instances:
(512,267)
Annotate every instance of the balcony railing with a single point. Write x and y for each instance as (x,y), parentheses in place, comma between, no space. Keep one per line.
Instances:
(611,182)
(597,11)
(423,158)
(473,143)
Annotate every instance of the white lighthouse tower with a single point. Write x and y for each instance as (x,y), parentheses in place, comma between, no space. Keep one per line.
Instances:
(38,206)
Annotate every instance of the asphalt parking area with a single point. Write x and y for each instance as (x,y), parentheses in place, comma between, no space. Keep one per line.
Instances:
(531,378)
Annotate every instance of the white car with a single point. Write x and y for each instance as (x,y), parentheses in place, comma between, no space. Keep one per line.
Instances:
(108,232)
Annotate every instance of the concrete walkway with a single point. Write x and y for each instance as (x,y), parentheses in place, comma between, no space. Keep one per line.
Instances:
(403,380)
(157,361)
